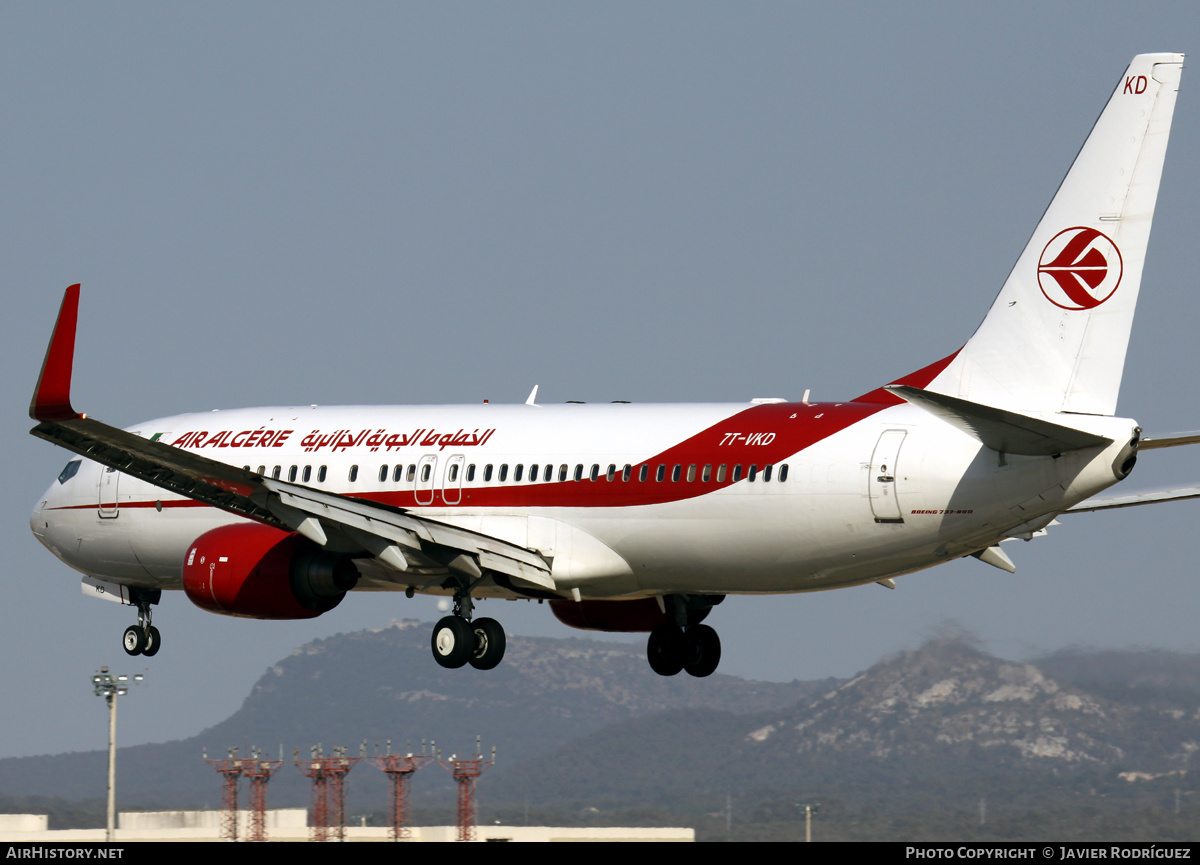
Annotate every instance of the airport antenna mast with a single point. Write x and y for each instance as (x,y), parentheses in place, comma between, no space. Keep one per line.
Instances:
(400,769)
(230,770)
(328,775)
(259,771)
(466,772)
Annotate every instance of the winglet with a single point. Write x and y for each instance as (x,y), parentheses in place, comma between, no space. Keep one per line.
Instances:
(52,398)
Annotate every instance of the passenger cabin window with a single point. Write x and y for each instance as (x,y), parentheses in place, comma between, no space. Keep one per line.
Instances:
(398,473)
(595,473)
(626,472)
(453,472)
(737,473)
(412,472)
(675,472)
(579,472)
(548,475)
(503,472)
(706,475)
(642,473)
(320,475)
(275,472)
(292,474)
(612,473)
(307,473)
(766,474)
(518,472)
(471,473)
(661,473)
(721,473)
(383,473)
(425,471)
(753,472)
(353,474)
(783,469)
(487,473)
(533,472)
(262,470)
(562,472)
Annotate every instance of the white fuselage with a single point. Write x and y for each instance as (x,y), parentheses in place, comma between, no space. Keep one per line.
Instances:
(856,492)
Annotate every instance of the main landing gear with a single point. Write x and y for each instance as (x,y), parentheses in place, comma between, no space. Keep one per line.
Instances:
(459,639)
(143,638)
(683,643)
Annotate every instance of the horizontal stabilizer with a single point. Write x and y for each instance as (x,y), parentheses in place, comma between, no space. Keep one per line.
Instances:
(1173,440)
(1147,497)
(1001,430)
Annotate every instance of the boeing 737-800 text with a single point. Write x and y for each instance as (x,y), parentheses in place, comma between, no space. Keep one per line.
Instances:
(643,517)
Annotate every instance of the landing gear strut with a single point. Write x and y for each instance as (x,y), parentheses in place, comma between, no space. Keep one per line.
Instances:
(457,640)
(143,638)
(683,643)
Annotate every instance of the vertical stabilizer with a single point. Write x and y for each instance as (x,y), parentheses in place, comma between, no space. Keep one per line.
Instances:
(1055,338)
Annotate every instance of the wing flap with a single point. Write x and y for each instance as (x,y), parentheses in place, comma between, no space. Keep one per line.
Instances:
(415,533)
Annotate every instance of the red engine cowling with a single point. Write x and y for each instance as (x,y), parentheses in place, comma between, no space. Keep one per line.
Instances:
(642,615)
(252,570)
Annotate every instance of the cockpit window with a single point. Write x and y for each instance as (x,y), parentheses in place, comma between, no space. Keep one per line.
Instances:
(69,471)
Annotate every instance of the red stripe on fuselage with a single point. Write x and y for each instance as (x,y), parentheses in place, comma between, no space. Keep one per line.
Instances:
(762,435)
(921,378)
(769,434)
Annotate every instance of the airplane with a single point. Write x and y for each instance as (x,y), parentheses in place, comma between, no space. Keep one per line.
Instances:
(643,518)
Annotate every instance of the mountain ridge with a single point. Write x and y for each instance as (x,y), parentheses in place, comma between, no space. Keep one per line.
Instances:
(580,720)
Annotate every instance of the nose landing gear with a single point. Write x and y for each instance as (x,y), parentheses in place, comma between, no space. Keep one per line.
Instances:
(143,638)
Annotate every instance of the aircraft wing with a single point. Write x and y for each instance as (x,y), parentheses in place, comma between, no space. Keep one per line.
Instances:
(1148,497)
(392,535)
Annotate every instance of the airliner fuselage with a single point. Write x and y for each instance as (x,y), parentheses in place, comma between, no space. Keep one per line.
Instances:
(625,500)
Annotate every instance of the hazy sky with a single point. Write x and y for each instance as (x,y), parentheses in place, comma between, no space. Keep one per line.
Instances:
(440,202)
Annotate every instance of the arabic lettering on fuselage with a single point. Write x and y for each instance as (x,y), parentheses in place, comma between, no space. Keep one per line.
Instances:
(338,440)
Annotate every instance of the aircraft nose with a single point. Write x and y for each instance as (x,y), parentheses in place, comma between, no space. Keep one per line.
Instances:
(37,521)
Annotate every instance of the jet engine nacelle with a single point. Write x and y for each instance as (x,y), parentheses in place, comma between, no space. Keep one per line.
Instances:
(639,616)
(260,572)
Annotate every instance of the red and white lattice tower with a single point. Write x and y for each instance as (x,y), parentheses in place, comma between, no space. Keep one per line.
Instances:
(230,770)
(328,776)
(465,772)
(259,771)
(400,769)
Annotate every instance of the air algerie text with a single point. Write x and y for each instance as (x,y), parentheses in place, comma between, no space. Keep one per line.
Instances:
(338,440)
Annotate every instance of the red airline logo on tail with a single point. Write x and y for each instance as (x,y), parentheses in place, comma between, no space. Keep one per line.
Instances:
(1080,268)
